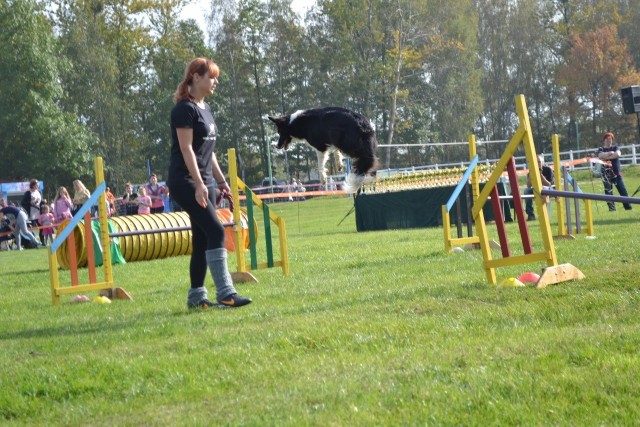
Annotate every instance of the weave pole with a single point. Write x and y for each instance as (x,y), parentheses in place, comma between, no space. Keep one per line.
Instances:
(564,230)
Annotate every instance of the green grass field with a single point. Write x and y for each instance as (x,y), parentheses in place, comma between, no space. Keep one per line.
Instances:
(376,328)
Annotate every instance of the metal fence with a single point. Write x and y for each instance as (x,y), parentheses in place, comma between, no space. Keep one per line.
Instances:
(629,157)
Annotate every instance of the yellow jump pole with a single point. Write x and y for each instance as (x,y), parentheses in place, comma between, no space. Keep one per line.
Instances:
(557,171)
(284,251)
(233,180)
(589,218)
(104,226)
(536,181)
(241,275)
(54,277)
(446,228)
(478,215)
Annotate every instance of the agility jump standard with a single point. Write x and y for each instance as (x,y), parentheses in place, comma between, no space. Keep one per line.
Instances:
(242,273)
(107,285)
(553,273)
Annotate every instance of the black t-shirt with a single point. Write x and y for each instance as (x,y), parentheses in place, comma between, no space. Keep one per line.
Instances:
(547,172)
(130,207)
(186,114)
(615,163)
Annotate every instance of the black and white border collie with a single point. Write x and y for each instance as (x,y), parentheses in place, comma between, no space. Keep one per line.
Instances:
(333,129)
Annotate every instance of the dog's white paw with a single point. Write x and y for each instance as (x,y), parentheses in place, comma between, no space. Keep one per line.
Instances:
(352,183)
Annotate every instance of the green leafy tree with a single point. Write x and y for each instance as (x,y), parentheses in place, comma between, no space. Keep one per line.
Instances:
(599,64)
(453,74)
(176,43)
(107,45)
(36,137)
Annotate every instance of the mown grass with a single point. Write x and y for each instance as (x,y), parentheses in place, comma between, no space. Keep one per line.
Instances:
(376,328)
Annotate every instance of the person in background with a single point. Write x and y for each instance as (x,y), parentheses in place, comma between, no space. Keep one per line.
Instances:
(143,201)
(18,224)
(80,195)
(62,205)
(611,175)
(111,201)
(155,191)
(35,198)
(46,221)
(194,177)
(546,175)
(129,200)
(44,202)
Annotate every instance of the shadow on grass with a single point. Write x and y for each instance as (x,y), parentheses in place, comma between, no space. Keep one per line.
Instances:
(69,330)
(615,221)
(35,270)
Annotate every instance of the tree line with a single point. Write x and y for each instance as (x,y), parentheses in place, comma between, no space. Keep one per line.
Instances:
(86,78)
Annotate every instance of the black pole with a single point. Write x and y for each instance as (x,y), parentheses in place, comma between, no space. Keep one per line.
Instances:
(458,218)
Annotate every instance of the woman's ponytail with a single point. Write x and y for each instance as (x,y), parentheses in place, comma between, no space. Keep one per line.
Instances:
(201,66)
(182,93)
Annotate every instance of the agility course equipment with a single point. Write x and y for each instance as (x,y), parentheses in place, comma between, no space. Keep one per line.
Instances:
(564,222)
(107,284)
(412,200)
(143,237)
(470,240)
(561,174)
(553,273)
(147,237)
(243,273)
(446,219)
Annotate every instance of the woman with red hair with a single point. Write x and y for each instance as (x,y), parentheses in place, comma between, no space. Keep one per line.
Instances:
(194,176)
(611,175)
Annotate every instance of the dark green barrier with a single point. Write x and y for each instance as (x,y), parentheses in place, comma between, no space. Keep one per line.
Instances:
(413,208)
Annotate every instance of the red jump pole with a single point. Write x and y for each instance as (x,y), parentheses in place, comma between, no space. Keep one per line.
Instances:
(517,204)
(497,213)
(73,260)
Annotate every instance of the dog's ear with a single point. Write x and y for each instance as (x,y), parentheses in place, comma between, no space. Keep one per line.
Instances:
(277,119)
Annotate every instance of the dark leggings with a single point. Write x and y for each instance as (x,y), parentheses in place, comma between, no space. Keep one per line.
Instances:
(207,232)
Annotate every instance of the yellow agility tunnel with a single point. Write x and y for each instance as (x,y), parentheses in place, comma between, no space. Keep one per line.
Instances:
(147,237)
